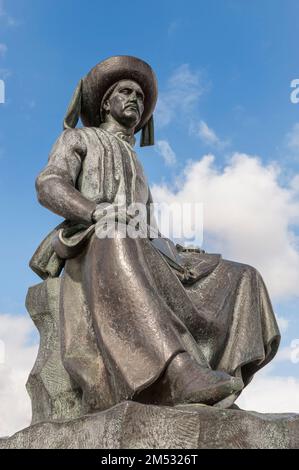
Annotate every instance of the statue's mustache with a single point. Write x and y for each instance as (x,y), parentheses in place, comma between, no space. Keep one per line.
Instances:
(132,105)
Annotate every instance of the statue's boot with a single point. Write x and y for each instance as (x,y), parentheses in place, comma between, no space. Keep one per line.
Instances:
(191,382)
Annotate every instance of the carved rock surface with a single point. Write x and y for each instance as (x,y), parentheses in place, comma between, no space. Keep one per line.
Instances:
(53,394)
(132,425)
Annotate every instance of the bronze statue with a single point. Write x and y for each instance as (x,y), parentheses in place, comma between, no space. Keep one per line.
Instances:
(140,318)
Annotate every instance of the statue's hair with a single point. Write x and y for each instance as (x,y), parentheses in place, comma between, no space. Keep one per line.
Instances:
(105,98)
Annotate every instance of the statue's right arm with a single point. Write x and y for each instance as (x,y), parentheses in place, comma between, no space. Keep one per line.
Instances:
(55,185)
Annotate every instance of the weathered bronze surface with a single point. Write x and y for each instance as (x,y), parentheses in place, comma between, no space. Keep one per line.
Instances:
(135,323)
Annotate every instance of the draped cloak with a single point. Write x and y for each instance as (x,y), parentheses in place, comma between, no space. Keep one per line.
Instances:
(124,312)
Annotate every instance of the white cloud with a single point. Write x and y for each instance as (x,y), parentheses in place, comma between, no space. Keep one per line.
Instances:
(248,216)
(164,149)
(288,353)
(3,49)
(283,355)
(207,135)
(293,138)
(283,323)
(19,357)
(271,394)
(181,95)
(295,183)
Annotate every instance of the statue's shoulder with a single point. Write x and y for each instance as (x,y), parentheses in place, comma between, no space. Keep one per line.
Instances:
(78,137)
(71,140)
(83,138)
(71,135)
(89,134)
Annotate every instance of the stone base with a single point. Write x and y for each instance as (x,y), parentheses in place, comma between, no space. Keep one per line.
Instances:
(131,425)
(54,396)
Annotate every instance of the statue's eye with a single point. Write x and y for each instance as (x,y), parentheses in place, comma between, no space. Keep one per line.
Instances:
(125,91)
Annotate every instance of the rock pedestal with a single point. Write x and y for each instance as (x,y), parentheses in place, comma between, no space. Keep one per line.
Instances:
(54,396)
(132,425)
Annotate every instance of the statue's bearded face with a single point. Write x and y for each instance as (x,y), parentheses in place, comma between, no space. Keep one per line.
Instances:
(126,103)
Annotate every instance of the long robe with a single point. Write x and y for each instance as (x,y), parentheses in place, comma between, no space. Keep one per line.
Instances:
(125,313)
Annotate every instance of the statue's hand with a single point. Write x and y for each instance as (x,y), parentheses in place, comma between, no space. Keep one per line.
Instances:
(102,210)
(122,216)
(105,209)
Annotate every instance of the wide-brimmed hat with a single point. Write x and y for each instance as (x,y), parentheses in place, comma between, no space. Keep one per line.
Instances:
(89,94)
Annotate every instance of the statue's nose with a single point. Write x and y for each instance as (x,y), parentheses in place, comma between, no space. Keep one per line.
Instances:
(133,96)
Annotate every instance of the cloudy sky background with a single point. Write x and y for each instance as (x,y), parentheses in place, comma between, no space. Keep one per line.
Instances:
(227,135)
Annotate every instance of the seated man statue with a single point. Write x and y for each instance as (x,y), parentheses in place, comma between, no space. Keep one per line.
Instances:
(140,318)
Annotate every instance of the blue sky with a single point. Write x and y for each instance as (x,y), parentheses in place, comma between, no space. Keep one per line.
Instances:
(224,70)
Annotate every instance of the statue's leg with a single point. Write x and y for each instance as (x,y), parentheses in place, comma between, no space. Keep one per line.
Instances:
(81,355)
(136,331)
(237,302)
